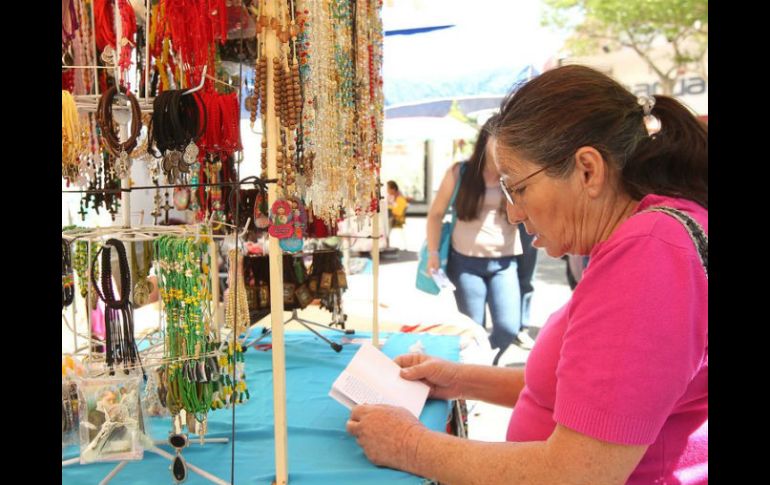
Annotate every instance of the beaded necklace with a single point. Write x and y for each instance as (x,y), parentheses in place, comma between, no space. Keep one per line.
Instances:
(184,288)
(236,289)
(71,140)
(339,47)
(67,277)
(108,129)
(80,264)
(69,22)
(105,31)
(81,47)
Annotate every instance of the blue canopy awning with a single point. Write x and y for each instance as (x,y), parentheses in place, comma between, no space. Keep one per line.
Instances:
(424,72)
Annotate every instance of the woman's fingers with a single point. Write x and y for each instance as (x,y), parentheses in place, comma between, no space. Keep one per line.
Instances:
(408,360)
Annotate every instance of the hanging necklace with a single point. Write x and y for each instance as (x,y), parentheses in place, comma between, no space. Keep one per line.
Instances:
(236,290)
(71,140)
(142,285)
(119,321)
(67,277)
(184,269)
(109,131)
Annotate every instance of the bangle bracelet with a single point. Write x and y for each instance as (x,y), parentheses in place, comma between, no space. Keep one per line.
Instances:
(433,253)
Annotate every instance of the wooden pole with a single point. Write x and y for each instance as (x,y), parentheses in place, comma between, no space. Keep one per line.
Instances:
(276,269)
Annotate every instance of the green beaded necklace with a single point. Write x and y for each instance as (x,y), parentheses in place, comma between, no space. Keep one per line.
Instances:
(184,289)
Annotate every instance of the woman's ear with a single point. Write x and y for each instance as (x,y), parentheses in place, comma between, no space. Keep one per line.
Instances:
(591,169)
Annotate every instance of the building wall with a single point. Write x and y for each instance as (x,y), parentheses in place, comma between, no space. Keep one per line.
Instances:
(632,71)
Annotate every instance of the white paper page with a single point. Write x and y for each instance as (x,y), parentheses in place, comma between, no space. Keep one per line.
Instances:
(357,391)
(373,378)
(341,398)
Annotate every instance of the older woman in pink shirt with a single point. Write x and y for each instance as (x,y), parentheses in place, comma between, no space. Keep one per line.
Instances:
(616,388)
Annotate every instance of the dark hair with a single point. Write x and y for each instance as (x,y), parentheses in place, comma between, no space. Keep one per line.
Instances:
(393,185)
(551,116)
(470,196)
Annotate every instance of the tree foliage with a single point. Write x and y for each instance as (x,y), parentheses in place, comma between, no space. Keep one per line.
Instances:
(639,25)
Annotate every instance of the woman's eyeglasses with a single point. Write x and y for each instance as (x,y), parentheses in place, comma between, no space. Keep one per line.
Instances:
(508,191)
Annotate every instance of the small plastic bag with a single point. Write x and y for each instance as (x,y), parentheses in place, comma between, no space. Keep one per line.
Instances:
(154,395)
(111,420)
(69,413)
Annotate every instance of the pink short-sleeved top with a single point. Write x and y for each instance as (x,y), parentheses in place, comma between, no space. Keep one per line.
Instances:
(626,359)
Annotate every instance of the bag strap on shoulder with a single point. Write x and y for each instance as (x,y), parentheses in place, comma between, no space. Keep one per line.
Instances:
(696,232)
(451,206)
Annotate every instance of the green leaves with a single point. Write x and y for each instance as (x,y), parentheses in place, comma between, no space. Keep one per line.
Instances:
(637,24)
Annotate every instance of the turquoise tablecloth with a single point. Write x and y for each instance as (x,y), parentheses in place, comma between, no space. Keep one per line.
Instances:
(320,451)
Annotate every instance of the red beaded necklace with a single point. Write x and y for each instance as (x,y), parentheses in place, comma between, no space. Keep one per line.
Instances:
(104,20)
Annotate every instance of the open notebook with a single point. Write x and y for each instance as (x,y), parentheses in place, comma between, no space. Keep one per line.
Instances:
(372,377)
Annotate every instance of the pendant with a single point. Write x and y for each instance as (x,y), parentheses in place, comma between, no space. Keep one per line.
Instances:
(303,295)
(264,295)
(142,290)
(342,281)
(108,56)
(179,469)
(123,165)
(291,244)
(260,208)
(288,293)
(281,217)
(181,198)
(171,166)
(326,281)
(191,153)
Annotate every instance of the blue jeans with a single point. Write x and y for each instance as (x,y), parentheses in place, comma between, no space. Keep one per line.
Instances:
(526,263)
(493,281)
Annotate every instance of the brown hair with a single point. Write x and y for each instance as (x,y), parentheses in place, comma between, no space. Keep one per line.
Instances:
(470,196)
(551,116)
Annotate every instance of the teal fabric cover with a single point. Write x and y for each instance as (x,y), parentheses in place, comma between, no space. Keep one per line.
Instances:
(320,451)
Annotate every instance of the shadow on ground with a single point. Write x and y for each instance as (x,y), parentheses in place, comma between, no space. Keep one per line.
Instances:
(550,270)
(390,256)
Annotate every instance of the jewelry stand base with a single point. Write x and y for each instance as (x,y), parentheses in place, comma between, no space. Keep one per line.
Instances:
(154,449)
(203,473)
(306,323)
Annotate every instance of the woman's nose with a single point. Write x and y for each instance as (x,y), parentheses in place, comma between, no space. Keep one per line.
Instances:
(514,213)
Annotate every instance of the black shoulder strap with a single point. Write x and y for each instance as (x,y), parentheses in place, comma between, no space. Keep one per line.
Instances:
(697,234)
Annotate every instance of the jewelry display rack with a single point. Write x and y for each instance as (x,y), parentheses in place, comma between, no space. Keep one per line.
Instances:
(275,253)
(134,235)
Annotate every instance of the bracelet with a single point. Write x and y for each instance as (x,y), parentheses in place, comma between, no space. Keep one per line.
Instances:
(433,253)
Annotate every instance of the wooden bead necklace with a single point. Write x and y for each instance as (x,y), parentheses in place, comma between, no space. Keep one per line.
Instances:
(109,130)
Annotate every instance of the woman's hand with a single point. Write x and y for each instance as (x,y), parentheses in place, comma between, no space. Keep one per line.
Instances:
(433,262)
(440,375)
(389,435)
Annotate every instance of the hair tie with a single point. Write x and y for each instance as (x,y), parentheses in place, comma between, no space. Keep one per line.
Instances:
(647,103)
(651,123)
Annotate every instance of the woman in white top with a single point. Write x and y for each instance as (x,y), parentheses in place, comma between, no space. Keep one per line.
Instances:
(481,262)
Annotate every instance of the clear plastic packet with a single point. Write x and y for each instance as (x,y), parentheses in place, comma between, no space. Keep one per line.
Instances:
(154,394)
(69,413)
(111,420)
